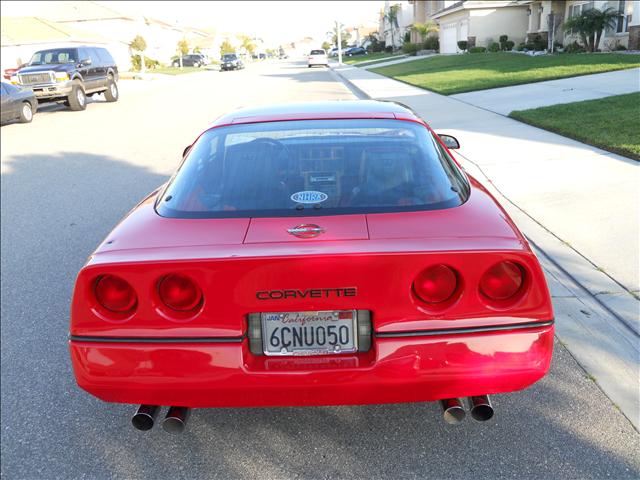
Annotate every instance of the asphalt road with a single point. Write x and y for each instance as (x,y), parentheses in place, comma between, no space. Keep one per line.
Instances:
(68,177)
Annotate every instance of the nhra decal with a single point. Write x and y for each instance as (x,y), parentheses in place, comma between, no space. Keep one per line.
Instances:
(308,293)
(309,196)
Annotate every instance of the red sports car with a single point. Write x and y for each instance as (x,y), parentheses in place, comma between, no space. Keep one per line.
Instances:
(312,254)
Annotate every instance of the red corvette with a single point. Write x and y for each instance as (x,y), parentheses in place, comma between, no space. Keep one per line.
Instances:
(312,254)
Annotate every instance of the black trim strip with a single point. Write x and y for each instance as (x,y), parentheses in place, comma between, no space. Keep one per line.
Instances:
(80,338)
(458,331)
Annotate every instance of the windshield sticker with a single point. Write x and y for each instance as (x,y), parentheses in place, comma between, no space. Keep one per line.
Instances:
(309,196)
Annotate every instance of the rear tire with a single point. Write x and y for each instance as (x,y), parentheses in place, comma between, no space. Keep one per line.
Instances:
(197,65)
(175,64)
(77,99)
(111,94)
(26,113)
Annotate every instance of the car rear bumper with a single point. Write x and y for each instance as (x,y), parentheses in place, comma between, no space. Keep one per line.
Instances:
(408,367)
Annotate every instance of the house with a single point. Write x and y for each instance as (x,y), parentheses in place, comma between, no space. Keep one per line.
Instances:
(546,19)
(21,37)
(423,12)
(481,23)
(391,34)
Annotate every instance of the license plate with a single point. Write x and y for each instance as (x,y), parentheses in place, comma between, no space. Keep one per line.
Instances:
(309,333)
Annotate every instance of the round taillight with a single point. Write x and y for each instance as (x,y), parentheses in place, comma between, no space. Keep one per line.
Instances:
(502,281)
(435,284)
(115,294)
(179,293)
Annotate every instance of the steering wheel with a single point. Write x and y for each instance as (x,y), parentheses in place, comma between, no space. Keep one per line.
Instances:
(276,143)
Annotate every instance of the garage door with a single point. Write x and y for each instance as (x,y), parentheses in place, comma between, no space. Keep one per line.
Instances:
(448,38)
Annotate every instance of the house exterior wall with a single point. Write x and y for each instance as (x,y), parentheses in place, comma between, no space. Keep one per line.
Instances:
(488,24)
(628,37)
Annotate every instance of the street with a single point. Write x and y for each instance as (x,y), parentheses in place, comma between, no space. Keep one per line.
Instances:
(69,177)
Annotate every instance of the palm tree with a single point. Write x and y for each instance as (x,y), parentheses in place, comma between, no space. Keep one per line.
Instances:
(344,35)
(391,17)
(591,23)
(138,44)
(424,29)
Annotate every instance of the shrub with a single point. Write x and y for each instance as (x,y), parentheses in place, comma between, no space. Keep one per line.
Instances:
(574,47)
(620,47)
(529,46)
(503,38)
(148,62)
(508,45)
(477,50)
(521,46)
(463,44)
(494,47)
(432,43)
(388,49)
(411,48)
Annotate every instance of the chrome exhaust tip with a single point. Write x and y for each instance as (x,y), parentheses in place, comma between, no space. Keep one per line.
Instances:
(176,419)
(145,417)
(453,411)
(481,409)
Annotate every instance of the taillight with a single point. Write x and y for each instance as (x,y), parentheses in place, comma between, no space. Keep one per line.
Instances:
(436,284)
(502,281)
(115,294)
(179,293)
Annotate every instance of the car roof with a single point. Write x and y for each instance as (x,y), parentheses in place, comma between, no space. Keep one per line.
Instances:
(318,111)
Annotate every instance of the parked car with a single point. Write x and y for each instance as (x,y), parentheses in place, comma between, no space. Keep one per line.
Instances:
(10,72)
(329,253)
(69,74)
(317,57)
(191,60)
(17,103)
(231,61)
(350,52)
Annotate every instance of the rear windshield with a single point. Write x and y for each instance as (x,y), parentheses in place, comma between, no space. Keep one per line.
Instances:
(318,52)
(318,167)
(57,56)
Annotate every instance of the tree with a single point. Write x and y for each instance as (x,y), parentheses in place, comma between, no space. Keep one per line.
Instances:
(391,17)
(226,47)
(183,49)
(590,25)
(138,44)
(247,43)
(326,46)
(424,29)
(344,35)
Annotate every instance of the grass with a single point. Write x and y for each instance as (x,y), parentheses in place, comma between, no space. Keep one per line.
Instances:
(176,71)
(611,123)
(368,58)
(452,74)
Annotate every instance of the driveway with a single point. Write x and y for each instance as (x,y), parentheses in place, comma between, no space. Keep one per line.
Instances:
(541,94)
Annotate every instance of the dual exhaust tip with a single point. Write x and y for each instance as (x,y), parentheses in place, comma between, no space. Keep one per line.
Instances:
(454,412)
(176,418)
(174,421)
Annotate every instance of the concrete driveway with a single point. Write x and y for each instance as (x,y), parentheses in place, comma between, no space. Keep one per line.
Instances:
(541,94)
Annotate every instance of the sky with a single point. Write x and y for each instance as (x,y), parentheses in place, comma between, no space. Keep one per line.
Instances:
(273,21)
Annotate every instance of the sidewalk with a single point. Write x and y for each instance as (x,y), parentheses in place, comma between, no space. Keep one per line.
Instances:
(541,94)
(578,205)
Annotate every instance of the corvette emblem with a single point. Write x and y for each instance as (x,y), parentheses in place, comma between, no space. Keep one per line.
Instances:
(306,230)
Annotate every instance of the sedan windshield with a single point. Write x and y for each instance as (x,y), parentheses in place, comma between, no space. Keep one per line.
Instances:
(313,167)
(229,57)
(54,57)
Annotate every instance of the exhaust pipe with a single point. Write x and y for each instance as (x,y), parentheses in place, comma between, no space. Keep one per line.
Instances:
(145,417)
(176,419)
(453,411)
(481,409)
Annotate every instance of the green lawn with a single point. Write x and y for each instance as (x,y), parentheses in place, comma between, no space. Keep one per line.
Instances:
(368,58)
(611,123)
(465,73)
(176,71)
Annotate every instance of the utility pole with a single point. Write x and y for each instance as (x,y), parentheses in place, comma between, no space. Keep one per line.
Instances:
(338,27)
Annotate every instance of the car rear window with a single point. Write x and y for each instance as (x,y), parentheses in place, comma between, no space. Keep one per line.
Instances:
(313,167)
(318,52)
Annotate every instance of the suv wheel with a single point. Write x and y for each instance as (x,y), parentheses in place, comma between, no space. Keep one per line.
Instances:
(26,113)
(175,64)
(111,93)
(77,99)
(196,64)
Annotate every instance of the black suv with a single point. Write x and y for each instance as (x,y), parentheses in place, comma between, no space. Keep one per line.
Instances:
(70,74)
(191,60)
